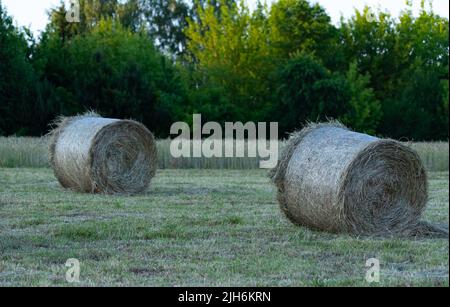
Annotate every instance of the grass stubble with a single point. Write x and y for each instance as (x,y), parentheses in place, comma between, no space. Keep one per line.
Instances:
(195,228)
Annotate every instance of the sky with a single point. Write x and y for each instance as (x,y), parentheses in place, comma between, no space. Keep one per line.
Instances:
(33,13)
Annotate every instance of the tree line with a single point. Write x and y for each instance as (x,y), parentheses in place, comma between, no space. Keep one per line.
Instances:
(160,61)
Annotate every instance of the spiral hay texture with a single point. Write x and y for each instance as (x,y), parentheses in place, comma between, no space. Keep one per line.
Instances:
(335,180)
(92,154)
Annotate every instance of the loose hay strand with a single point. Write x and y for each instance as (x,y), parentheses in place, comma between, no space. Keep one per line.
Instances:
(92,154)
(332,179)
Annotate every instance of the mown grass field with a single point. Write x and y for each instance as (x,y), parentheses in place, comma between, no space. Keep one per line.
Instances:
(195,228)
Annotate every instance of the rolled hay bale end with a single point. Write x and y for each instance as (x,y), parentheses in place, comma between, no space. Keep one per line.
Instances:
(332,179)
(92,154)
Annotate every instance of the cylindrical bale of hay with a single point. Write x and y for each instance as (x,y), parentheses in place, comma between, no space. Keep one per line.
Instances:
(332,179)
(92,154)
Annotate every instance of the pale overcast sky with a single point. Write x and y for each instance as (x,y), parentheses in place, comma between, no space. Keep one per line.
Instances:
(33,13)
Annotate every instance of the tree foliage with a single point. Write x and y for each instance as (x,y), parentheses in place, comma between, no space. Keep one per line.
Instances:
(160,61)
(364,113)
(166,20)
(111,70)
(231,55)
(17,78)
(299,26)
(307,91)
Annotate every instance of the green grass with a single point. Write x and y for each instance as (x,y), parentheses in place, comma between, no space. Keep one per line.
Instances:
(32,152)
(435,155)
(23,152)
(195,228)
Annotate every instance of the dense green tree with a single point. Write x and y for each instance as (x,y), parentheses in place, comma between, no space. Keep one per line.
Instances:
(128,13)
(397,54)
(445,102)
(231,56)
(166,20)
(113,71)
(17,80)
(419,111)
(307,91)
(371,44)
(417,108)
(423,39)
(364,112)
(287,62)
(300,26)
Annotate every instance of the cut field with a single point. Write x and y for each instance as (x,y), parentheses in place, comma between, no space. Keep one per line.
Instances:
(195,228)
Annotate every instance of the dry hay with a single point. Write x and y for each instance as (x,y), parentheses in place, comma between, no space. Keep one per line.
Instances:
(92,154)
(332,179)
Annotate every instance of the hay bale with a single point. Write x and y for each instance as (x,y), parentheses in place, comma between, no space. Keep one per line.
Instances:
(92,154)
(332,179)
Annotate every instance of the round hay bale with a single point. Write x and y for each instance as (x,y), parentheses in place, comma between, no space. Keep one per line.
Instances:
(92,154)
(332,179)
